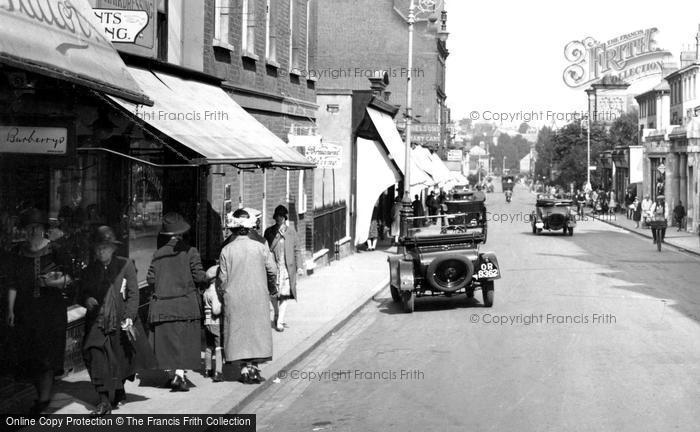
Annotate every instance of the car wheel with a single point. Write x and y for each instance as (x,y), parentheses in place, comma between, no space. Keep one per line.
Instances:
(487,293)
(395,295)
(408,300)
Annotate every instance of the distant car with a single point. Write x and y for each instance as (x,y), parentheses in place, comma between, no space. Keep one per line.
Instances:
(507,182)
(554,214)
(444,257)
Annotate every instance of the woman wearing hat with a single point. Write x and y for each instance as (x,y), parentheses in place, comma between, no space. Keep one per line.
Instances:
(36,307)
(247,273)
(174,313)
(659,213)
(110,293)
(286,250)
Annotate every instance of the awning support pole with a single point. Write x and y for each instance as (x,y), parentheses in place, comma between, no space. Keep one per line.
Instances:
(240,188)
(264,201)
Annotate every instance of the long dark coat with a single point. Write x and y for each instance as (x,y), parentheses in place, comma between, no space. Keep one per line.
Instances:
(292,252)
(175,311)
(109,355)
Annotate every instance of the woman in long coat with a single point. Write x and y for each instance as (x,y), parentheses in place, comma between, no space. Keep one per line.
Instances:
(175,314)
(286,250)
(36,307)
(247,274)
(109,291)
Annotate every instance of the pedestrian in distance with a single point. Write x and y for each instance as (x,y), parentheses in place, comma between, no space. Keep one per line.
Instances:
(212,328)
(286,250)
(247,277)
(113,335)
(679,215)
(373,232)
(646,210)
(174,311)
(431,203)
(637,215)
(396,220)
(35,306)
(417,212)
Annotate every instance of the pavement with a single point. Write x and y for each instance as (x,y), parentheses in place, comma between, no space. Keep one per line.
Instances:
(683,240)
(327,299)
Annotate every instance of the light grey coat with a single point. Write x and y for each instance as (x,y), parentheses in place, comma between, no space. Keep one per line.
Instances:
(247,275)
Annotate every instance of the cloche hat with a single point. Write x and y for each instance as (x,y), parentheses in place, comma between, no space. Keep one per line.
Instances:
(174,224)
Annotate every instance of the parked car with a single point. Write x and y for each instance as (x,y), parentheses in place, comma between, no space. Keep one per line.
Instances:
(445,258)
(554,214)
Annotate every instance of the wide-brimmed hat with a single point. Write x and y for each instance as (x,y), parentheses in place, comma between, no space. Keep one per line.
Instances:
(34,216)
(281,210)
(660,197)
(174,224)
(242,219)
(253,212)
(105,235)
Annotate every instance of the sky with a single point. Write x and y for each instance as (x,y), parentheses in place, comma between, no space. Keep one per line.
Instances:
(508,56)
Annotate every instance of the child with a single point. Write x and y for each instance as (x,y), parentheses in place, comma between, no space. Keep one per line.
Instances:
(212,327)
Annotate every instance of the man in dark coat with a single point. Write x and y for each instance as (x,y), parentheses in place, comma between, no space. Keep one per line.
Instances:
(679,214)
(174,313)
(418,211)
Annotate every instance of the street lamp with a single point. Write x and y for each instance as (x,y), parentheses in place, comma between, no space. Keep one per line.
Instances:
(589,93)
(503,170)
(406,207)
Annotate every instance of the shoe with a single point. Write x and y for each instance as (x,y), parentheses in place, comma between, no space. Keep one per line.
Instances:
(279,328)
(245,377)
(218,377)
(103,408)
(208,373)
(119,399)
(38,407)
(255,377)
(179,385)
(285,325)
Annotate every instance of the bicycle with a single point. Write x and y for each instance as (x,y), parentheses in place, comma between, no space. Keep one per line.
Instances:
(657,228)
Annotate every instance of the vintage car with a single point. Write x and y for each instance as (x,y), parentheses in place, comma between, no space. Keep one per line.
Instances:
(507,182)
(554,214)
(444,257)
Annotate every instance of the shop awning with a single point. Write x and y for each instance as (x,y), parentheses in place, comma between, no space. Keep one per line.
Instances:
(441,174)
(396,148)
(207,120)
(375,174)
(62,40)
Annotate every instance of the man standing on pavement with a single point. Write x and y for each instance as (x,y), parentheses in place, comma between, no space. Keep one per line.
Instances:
(679,214)
(418,212)
(432,204)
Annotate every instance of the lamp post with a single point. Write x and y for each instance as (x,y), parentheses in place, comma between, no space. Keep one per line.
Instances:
(503,170)
(406,207)
(589,93)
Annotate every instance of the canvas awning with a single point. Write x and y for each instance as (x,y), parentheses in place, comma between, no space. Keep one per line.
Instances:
(396,148)
(62,40)
(206,119)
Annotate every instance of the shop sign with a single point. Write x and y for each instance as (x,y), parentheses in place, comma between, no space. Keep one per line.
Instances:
(33,140)
(454,155)
(130,24)
(325,155)
(122,26)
